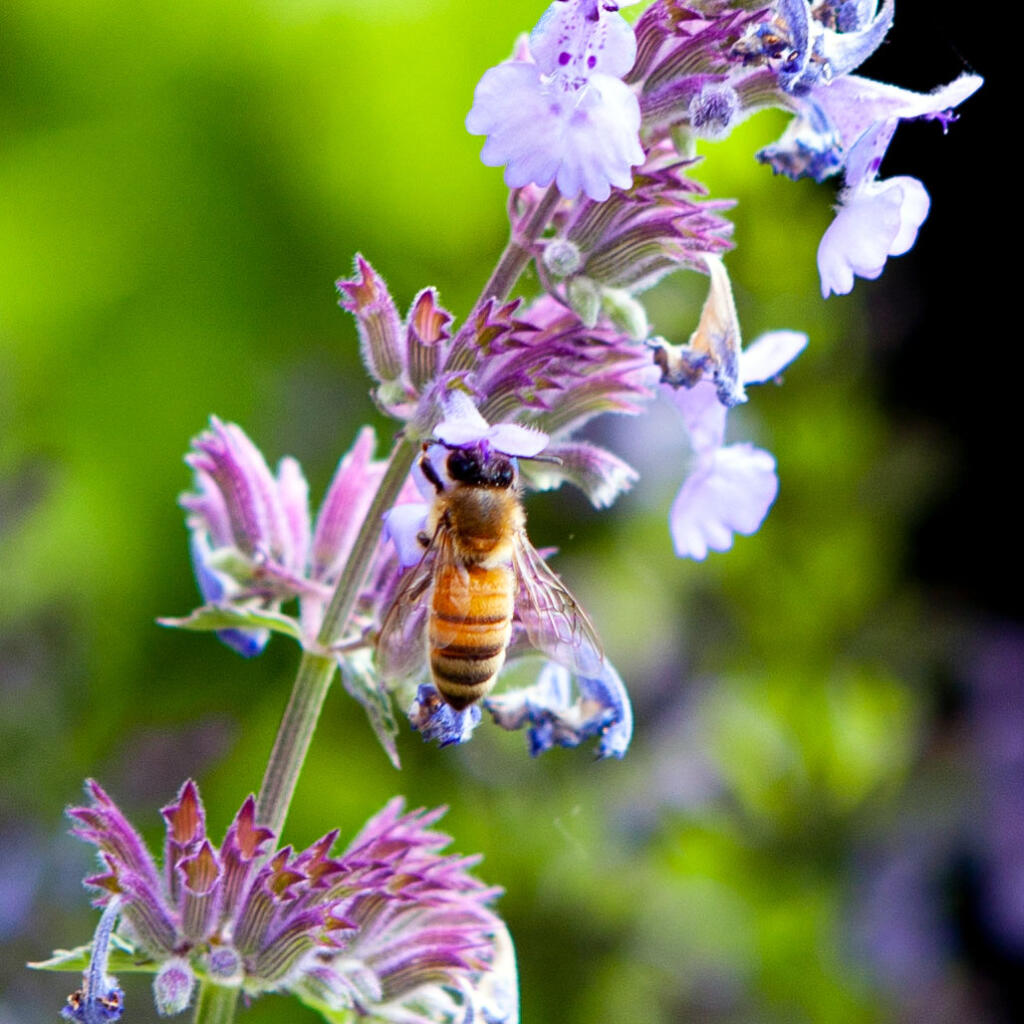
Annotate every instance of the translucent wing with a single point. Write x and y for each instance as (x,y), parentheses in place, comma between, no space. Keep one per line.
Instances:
(555,624)
(401,644)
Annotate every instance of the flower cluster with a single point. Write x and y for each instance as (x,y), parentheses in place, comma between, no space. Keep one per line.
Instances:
(390,928)
(701,67)
(253,544)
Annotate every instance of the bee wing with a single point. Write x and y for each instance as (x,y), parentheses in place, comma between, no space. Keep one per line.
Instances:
(401,645)
(554,622)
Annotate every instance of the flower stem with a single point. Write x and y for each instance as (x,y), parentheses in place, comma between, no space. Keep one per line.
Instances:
(519,250)
(316,670)
(216,1004)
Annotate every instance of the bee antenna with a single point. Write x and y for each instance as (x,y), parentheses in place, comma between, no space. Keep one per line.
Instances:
(553,459)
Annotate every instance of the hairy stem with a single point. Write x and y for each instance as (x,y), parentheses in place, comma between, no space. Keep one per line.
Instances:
(518,252)
(216,1004)
(316,670)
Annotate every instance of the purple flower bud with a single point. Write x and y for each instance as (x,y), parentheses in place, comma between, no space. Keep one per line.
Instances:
(713,110)
(173,987)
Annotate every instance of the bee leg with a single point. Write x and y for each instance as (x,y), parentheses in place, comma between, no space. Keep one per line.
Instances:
(431,474)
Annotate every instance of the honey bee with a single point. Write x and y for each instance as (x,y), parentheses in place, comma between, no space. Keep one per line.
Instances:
(478,579)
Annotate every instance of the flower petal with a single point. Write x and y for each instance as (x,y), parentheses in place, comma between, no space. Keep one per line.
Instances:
(875,221)
(730,491)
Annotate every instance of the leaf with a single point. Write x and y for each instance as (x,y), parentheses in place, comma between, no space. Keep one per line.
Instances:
(124,959)
(211,617)
(360,681)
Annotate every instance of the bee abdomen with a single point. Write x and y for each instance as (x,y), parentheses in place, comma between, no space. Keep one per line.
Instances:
(470,632)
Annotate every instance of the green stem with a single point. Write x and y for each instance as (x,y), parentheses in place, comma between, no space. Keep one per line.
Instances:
(338,611)
(294,736)
(216,1004)
(316,670)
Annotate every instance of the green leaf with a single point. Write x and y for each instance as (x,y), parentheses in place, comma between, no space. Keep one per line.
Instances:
(212,617)
(124,959)
(360,680)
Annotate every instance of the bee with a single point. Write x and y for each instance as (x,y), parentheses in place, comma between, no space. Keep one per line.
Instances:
(479,578)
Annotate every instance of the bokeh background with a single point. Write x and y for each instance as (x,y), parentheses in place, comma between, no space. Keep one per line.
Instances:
(822,815)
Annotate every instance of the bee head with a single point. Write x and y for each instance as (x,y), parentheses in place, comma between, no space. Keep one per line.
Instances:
(481,467)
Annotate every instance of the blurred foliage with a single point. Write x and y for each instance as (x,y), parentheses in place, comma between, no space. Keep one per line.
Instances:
(179,187)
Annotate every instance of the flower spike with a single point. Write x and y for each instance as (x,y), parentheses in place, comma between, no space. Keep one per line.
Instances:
(383,928)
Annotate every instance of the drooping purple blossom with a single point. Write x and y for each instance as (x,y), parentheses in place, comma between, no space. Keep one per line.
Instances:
(845,123)
(876,219)
(390,926)
(601,709)
(100,999)
(562,113)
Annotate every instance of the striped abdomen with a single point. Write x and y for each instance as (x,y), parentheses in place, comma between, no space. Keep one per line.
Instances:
(470,629)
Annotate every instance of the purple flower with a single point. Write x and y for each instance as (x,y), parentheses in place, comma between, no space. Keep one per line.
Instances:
(602,709)
(100,999)
(253,545)
(563,114)
(390,926)
(729,488)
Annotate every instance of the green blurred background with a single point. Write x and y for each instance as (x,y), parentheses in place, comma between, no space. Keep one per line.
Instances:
(816,821)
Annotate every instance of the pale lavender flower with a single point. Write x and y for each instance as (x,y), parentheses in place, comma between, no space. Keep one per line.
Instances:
(601,709)
(876,219)
(845,123)
(562,114)
(390,927)
(729,488)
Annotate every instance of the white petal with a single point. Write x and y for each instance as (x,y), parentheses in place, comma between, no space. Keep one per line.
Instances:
(766,356)
(876,221)
(730,491)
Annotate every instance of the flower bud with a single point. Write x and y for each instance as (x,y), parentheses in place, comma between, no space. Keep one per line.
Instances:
(173,987)
(626,312)
(585,299)
(224,965)
(562,257)
(713,109)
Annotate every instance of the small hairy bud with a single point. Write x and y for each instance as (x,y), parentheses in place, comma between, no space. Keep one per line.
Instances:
(585,299)
(562,257)
(225,965)
(626,312)
(173,987)
(712,111)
